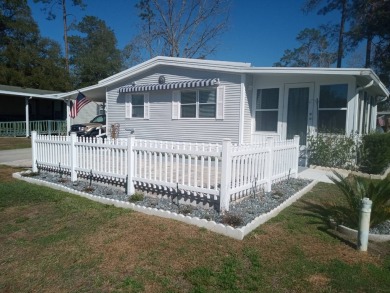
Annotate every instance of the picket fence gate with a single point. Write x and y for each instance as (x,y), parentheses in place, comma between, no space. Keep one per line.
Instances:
(220,172)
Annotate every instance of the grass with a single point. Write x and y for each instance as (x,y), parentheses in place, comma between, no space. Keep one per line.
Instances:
(9,143)
(51,241)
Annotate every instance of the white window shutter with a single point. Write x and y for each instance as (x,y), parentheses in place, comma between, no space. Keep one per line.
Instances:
(220,102)
(128,107)
(146,106)
(175,104)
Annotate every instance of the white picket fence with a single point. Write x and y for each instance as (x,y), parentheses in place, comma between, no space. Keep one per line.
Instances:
(222,172)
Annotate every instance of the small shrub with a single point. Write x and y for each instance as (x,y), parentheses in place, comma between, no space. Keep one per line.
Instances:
(186,209)
(332,150)
(138,196)
(63,180)
(232,219)
(375,153)
(354,189)
(88,189)
(30,174)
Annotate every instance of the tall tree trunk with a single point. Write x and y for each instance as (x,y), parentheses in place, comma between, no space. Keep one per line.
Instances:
(368,51)
(340,50)
(65,35)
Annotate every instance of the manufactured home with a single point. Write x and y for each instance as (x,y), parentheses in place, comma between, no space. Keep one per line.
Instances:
(190,100)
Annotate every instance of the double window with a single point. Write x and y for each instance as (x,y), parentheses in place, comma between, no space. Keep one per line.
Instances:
(137,106)
(332,110)
(267,109)
(198,103)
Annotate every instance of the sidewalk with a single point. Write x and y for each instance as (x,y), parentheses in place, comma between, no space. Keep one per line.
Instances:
(318,174)
(16,158)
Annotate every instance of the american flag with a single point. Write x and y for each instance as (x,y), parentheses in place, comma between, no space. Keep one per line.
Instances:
(80,102)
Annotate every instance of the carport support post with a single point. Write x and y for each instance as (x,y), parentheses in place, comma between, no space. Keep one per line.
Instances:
(364,224)
(34,151)
(130,164)
(73,157)
(224,195)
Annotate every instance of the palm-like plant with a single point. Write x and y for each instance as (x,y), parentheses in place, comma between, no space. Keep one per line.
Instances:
(354,190)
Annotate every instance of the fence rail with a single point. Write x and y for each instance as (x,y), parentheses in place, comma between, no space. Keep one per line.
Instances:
(224,172)
(18,128)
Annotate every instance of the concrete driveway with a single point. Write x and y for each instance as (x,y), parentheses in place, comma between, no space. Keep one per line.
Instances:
(17,158)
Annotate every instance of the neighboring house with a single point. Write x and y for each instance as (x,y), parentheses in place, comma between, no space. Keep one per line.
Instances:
(181,99)
(33,109)
(26,109)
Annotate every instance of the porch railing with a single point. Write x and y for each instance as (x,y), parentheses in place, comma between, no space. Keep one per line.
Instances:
(18,128)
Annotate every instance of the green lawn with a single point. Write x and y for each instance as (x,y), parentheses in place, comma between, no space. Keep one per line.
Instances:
(51,241)
(8,143)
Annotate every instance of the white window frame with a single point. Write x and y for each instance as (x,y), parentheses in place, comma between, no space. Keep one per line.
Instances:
(219,103)
(277,110)
(129,106)
(336,108)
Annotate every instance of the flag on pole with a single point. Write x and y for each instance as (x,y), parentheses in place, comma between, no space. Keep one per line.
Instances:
(80,102)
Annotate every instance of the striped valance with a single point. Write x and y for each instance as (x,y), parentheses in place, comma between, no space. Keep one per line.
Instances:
(170,85)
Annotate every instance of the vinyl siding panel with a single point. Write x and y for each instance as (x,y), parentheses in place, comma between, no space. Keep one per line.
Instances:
(248,109)
(160,125)
(86,114)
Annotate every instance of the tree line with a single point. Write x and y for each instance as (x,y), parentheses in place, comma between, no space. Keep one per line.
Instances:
(172,28)
(361,22)
(176,28)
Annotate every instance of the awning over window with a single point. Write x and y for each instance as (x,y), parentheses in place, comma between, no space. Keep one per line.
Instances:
(170,85)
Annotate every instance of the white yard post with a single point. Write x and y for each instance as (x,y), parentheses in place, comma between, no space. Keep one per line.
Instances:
(364,224)
(296,143)
(73,157)
(224,192)
(130,164)
(67,116)
(27,116)
(34,151)
(269,163)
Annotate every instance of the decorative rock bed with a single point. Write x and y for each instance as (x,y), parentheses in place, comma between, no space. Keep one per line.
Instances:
(246,215)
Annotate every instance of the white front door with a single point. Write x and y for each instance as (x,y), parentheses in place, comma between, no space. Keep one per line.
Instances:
(298,111)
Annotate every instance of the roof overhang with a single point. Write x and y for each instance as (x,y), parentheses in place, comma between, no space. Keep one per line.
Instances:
(26,92)
(97,92)
(363,75)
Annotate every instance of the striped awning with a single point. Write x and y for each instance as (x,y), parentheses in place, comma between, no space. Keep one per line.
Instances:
(170,85)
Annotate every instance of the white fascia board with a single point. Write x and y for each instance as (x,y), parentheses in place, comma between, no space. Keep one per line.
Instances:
(89,91)
(363,72)
(177,62)
(308,70)
(46,96)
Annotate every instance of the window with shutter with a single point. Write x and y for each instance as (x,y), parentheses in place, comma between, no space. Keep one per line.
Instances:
(137,106)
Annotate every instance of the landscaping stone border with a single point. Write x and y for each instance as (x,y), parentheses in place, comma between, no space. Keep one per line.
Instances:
(354,234)
(356,173)
(236,233)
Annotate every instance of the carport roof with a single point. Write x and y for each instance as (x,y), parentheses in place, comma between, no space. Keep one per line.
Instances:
(9,90)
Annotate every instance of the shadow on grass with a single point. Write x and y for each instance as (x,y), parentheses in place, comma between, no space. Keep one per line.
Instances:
(321,215)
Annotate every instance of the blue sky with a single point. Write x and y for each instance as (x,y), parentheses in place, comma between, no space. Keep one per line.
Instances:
(260,30)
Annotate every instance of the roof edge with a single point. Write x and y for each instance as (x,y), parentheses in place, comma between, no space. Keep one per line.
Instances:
(179,62)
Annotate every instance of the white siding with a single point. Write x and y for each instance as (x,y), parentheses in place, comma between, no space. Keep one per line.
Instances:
(160,125)
(248,109)
(86,114)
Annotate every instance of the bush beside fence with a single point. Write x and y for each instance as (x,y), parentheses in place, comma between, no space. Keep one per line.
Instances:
(223,172)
